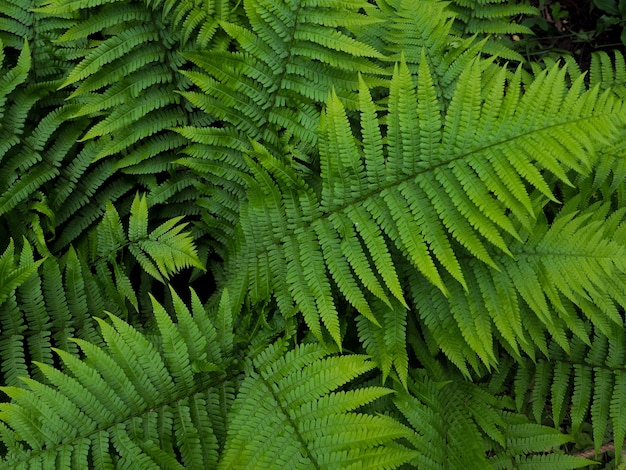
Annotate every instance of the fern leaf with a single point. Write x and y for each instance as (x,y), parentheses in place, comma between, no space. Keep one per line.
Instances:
(533,285)
(283,39)
(493,17)
(457,202)
(386,343)
(12,273)
(125,394)
(340,270)
(109,51)
(537,438)
(107,81)
(607,73)
(16,76)
(312,425)
(581,396)
(616,410)
(553,461)
(597,385)
(373,240)
(162,252)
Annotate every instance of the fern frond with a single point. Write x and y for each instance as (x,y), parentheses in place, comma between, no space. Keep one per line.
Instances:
(493,16)
(48,307)
(453,420)
(123,88)
(16,76)
(287,415)
(135,389)
(386,342)
(358,175)
(527,444)
(443,193)
(30,156)
(13,271)
(269,85)
(289,58)
(80,194)
(583,386)
(496,18)
(414,30)
(608,73)
(534,295)
(162,252)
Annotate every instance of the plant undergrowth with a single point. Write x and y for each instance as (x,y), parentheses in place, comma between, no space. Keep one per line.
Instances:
(283,234)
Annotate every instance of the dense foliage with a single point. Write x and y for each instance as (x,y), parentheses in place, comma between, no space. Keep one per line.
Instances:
(306,234)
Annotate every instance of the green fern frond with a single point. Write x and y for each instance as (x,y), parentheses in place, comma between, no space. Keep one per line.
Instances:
(414,31)
(80,194)
(453,420)
(494,17)
(607,73)
(196,20)
(13,271)
(123,87)
(289,57)
(38,158)
(536,294)
(143,398)
(162,252)
(16,76)
(605,182)
(527,445)
(584,386)
(386,342)
(269,88)
(146,398)
(30,154)
(443,192)
(288,415)
(50,306)
(377,199)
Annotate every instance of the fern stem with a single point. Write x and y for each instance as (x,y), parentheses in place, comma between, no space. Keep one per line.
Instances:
(592,452)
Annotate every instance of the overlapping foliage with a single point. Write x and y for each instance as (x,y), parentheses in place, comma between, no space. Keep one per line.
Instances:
(404,252)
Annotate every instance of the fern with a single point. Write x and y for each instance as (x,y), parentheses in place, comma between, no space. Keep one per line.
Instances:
(127,383)
(160,253)
(304,424)
(453,420)
(75,287)
(156,401)
(413,31)
(121,135)
(30,156)
(588,383)
(403,252)
(608,73)
(290,56)
(494,17)
(270,89)
(450,174)
(14,272)
(506,304)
